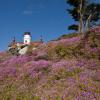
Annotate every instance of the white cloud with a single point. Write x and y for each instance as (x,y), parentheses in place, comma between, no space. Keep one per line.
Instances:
(33,6)
(27,12)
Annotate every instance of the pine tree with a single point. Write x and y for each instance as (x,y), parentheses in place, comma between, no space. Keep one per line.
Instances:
(84,12)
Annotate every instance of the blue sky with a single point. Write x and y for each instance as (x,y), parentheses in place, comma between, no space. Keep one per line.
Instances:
(46,17)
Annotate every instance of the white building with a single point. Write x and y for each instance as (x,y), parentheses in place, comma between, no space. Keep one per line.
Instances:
(27,38)
(22,47)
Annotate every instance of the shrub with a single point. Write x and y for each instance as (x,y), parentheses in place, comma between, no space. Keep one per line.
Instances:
(26,96)
(52,54)
(68,35)
(68,51)
(61,51)
(64,73)
(41,57)
(96,76)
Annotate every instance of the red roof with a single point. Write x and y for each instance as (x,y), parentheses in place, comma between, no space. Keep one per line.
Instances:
(20,42)
(36,43)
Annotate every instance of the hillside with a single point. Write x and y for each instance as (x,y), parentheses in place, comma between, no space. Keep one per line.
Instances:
(64,69)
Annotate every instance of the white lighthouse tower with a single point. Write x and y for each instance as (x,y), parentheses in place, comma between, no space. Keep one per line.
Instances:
(27,38)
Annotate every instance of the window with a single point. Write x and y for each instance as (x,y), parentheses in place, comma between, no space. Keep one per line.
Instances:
(25,41)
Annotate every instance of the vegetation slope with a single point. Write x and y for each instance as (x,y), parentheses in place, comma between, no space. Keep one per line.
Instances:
(64,69)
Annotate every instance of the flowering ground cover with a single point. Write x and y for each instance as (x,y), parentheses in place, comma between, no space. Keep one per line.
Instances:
(52,72)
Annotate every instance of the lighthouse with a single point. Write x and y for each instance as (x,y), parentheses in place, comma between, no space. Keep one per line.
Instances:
(27,38)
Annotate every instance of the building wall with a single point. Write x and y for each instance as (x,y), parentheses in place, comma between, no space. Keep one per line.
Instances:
(27,39)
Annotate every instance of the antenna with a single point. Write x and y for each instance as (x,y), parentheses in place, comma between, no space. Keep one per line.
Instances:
(14,40)
(41,38)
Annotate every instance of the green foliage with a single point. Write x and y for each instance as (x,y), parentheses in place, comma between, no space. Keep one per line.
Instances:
(98,90)
(83,49)
(22,96)
(42,57)
(63,73)
(7,92)
(73,27)
(88,8)
(65,51)
(65,36)
(26,96)
(82,87)
(52,54)
(6,97)
(58,98)
(30,81)
(45,70)
(48,85)
(92,42)
(78,52)
(61,50)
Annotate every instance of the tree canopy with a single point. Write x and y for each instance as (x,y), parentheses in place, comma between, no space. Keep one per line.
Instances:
(84,12)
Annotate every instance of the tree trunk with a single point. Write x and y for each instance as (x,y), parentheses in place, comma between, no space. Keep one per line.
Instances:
(81,24)
(87,26)
(81,28)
